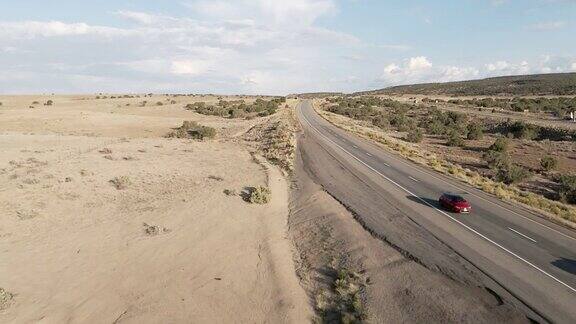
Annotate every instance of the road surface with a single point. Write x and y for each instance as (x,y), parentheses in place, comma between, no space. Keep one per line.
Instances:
(524,256)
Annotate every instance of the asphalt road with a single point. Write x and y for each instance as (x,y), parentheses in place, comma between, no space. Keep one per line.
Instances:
(529,258)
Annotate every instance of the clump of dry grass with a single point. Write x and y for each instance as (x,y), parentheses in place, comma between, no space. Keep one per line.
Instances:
(153,230)
(259,195)
(343,302)
(121,182)
(5,299)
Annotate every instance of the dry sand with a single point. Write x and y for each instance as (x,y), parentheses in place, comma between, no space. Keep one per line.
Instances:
(169,248)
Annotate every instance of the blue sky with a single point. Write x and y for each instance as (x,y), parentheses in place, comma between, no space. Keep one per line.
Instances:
(276,46)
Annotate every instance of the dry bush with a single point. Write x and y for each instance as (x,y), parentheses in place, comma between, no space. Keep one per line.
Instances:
(193,130)
(415,136)
(343,304)
(259,195)
(549,163)
(121,182)
(153,230)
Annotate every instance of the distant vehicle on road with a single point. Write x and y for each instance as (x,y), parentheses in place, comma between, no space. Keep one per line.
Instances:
(455,203)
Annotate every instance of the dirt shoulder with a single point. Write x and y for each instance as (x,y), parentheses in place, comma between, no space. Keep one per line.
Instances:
(104,221)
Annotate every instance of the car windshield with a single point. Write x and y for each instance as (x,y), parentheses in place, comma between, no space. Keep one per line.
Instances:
(454,198)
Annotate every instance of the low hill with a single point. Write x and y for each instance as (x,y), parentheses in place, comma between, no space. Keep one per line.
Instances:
(521,85)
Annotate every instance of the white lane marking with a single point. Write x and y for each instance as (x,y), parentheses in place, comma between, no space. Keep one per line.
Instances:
(442,212)
(368,154)
(526,236)
(355,146)
(414,179)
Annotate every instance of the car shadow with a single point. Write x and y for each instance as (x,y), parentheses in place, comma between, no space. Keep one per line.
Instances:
(426,201)
(566,265)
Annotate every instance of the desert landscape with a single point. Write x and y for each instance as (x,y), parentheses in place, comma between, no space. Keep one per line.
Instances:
(105,219)
(270,161)
(131,208)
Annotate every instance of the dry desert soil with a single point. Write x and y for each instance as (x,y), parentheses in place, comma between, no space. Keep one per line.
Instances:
(104,220)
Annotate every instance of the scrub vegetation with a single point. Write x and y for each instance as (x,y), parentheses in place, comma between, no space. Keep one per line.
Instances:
(238,108)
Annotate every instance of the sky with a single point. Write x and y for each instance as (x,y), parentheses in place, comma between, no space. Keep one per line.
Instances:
(276,46)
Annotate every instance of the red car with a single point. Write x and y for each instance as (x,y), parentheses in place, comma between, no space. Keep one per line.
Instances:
(455,203)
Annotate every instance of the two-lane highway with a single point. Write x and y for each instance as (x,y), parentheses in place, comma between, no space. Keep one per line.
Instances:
(534,260)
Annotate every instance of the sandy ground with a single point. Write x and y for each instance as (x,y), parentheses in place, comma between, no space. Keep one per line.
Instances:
(169,248)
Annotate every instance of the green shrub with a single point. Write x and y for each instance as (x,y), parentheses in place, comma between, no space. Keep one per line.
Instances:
(500,145)
(548,163)
(524,131)
(415,136)
(237,108)
(567,191)
(475,131)
(510,173)
(496,159)
(454,139)
(381,121)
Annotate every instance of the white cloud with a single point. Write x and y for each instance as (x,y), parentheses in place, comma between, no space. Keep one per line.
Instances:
(419,69)
(506,68)
(278,12)
(498,3)
(138,17)
(33,29)
(419,63)
(551,25)
(189,67)
(265,46)
(392,69)
(498,66)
